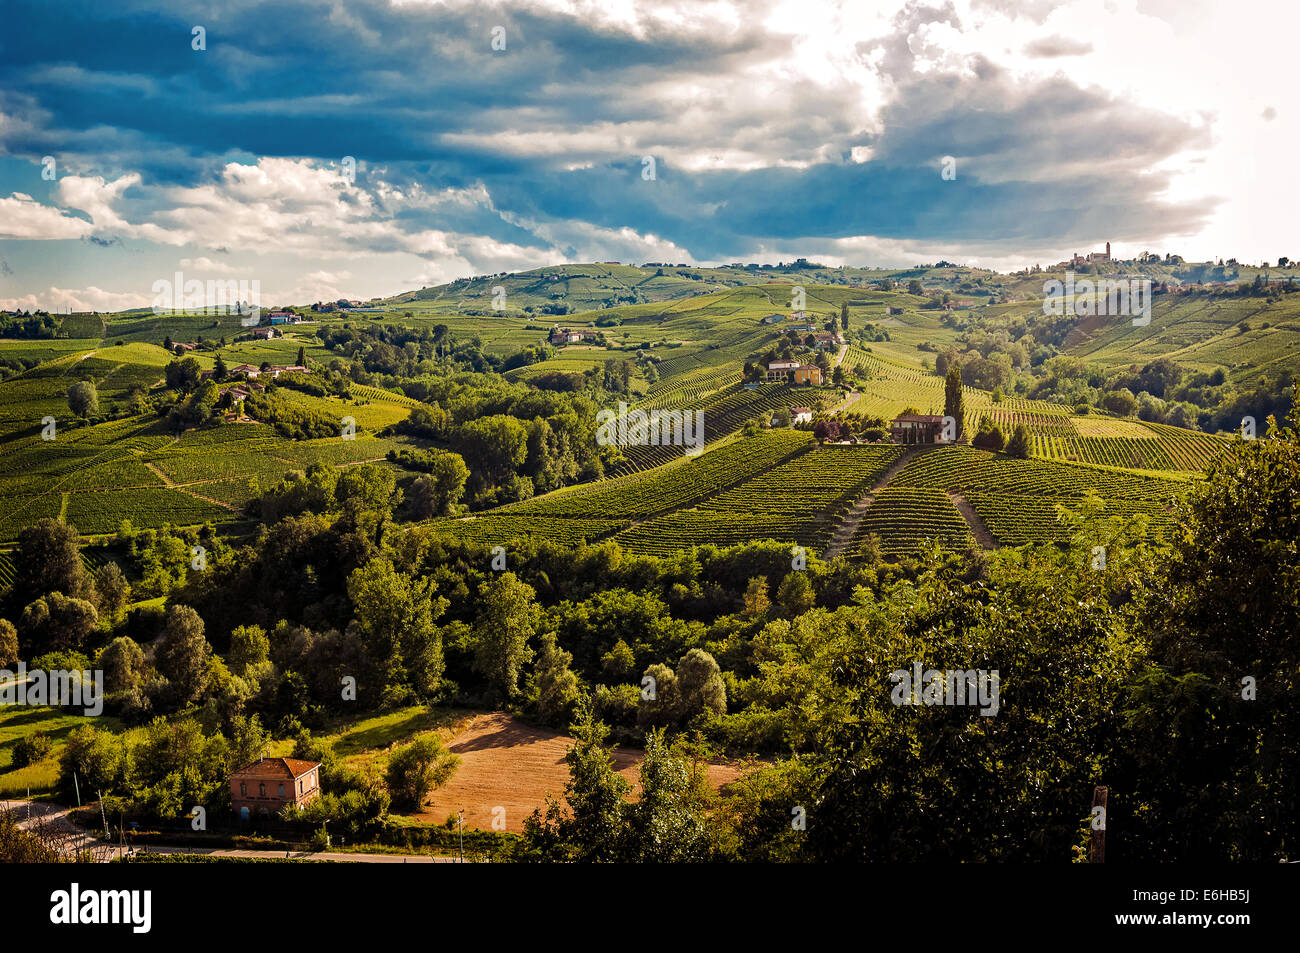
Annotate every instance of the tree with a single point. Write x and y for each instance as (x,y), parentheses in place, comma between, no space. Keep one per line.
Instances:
(700,685)
(48,560)
(183,653)
(302,356)
(1018,445)
(494,447)
(660,699)
(113,589)
(669,822)
(593,828)
(914,287)
(795,594)
(367,487)
(183,374)
(1119,402)
(83,399)
(123,663)
(507,618)
(438,492)
(394,622)
(250,650)
(952,399)
(417,769)
(1216,739)
(989,436)
(844,316)
(554,686)
(55,623)
(219,370)
(756,601)
(8,643)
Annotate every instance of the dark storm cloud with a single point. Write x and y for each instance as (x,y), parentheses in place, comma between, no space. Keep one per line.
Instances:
(417,94)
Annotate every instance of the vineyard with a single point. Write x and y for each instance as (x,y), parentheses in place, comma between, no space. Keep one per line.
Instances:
(675,486)
(1016,520)
(967,468)
(131,469)
(794,502)
(907,518)
(499,529)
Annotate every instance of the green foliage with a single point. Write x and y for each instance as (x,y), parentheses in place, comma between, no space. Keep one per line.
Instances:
(31,748)
(416,769)
(1018,445)
(83,399)
(506,620)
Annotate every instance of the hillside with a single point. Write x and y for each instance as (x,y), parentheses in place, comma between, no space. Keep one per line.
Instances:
(682,338)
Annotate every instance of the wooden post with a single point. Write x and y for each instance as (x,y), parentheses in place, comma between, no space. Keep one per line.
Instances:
(1097,843)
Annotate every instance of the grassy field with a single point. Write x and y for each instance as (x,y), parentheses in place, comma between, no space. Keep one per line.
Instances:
(19,722)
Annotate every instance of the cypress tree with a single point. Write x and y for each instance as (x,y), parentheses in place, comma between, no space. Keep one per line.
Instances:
(952,406)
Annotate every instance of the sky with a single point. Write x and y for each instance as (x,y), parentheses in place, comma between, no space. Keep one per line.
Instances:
(361,149)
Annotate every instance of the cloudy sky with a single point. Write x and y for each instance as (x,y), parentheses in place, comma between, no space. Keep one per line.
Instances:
(504,137)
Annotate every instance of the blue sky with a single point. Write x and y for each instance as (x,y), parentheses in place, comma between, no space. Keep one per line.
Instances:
(776,129)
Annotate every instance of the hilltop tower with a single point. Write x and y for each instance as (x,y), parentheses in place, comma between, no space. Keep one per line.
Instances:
(1108,251)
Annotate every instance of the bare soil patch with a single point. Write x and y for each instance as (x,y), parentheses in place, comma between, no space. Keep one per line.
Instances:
(509,764)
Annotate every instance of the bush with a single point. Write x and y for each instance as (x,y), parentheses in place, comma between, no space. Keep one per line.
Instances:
(31,748)
(1018,445)
(418,768)
(990,437)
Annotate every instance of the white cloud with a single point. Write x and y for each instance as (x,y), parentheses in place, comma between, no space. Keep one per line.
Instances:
(23,217)
(83,299)
(207,265)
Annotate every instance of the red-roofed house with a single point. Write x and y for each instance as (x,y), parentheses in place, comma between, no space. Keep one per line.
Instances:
(917,428)
(271,783)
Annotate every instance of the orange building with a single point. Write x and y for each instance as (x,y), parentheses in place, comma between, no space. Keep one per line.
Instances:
(267,785)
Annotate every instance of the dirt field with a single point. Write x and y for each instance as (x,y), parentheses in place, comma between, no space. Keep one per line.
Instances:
(506,763)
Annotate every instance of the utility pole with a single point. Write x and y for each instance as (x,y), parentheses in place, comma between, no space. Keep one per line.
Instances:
(1097,840)
(103,816)
(460,818)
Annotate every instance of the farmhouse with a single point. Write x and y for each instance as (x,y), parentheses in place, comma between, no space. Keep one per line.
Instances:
(780,370)
(264,333)
(917,428)
(804,328)
(570,336)
(267,785)
(800,415)
(825,339)
(807,374)
(248,370)
(793,370)
(281,317)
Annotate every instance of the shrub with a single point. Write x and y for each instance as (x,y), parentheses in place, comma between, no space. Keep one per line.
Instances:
(31,748)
